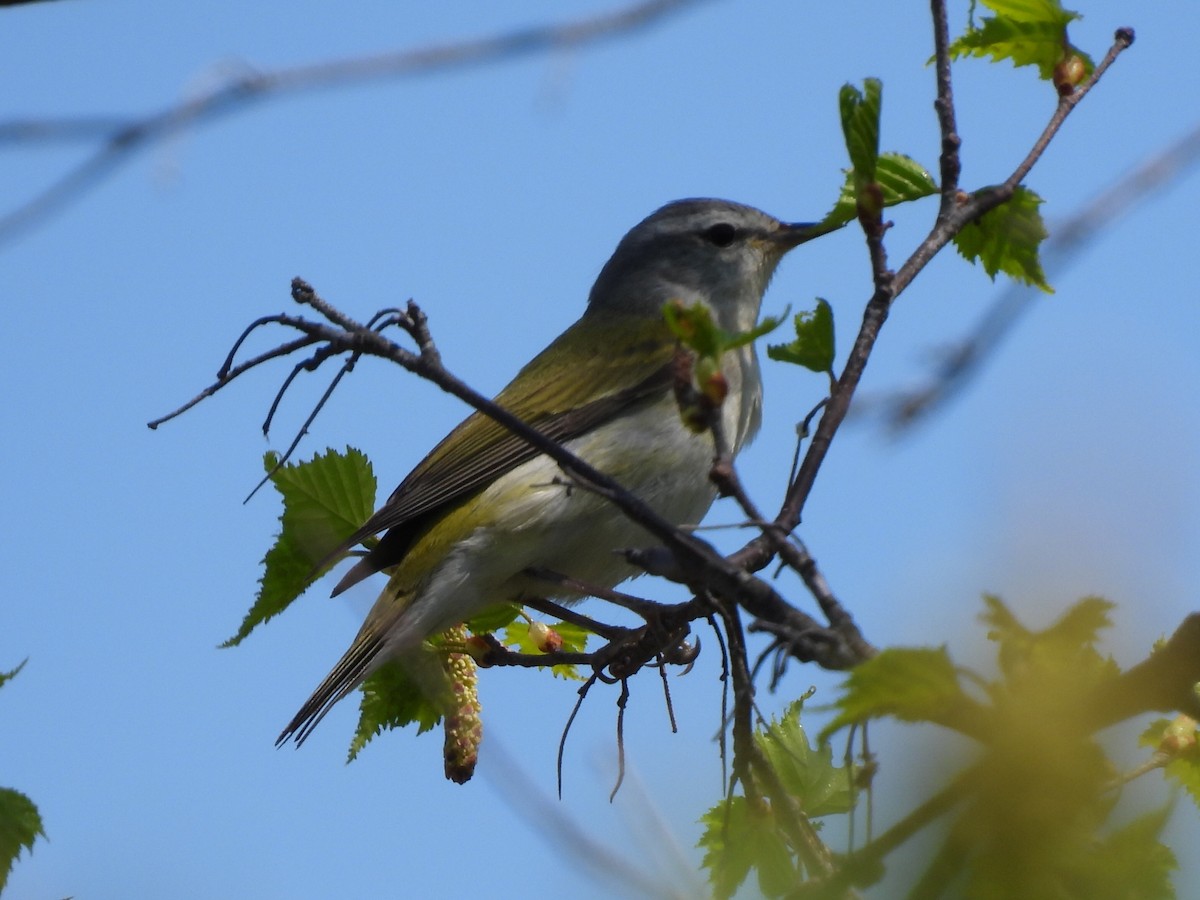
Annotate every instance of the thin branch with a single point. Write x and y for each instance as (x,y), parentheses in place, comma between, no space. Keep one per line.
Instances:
(757,553)
(229,373)
(496,655)
(562,741)
(1061,250)
(722,744)
(282,459)
(1067,101)
(949,162)
(566,614)
(796,556)
(642,607)
(666,686)
(123,137)
(622,702)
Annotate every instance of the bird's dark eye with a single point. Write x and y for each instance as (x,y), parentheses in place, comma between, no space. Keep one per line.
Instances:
(721,235)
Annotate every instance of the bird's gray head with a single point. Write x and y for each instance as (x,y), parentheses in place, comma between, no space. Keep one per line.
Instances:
(715,251)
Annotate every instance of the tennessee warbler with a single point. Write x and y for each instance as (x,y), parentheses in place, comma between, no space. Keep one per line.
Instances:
(461,531)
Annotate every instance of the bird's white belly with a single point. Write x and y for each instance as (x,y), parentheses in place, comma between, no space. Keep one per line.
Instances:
(542,519)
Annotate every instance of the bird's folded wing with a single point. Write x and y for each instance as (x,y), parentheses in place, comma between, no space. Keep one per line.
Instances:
(594,372)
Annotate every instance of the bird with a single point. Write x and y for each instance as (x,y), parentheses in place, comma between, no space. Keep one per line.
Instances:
(464,529)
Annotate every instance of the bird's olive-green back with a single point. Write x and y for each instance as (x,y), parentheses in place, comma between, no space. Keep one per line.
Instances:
(603,365)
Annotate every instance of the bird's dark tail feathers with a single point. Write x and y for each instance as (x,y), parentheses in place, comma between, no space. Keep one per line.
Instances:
(351,670)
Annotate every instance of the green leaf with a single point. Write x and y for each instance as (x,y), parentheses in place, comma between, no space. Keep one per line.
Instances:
(574,637)
(813,347)
(1007,240)
(818,786)
(574,640)
(1065,651)
(1180,738)
(910,684)
(5,676)
(694,327)
(1184,770)
(1078,626)
(903,179)
(1026,32)
(738,837)
(900,179)
(324,501)
(1153,734)
(733,340)
(1082,623)
(1131,862)
(20,823)
(1031,10)
(1002,624)
(20,826)
(392,698)
(493,618)
(860,126)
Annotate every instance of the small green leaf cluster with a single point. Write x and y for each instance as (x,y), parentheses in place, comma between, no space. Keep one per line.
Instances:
(1031,812)
(743,835)
(1031,815)
(1177,747)
(695,329)
(20,822)
(419,691)
(874,181)
(897,179)
(813,346)
(1028,33)
(324,500)
(393,698)
(1006,239)
(523,637)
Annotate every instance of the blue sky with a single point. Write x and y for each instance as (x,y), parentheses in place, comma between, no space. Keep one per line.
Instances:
(493,195)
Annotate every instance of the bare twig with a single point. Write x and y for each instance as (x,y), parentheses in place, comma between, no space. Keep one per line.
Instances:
(562,741)
(1068,100)
(1060,251)
(622,702)
(949,162)
(228,373)
(566,614)
(309,366)
(644,608)
(123,137)
(666,686)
